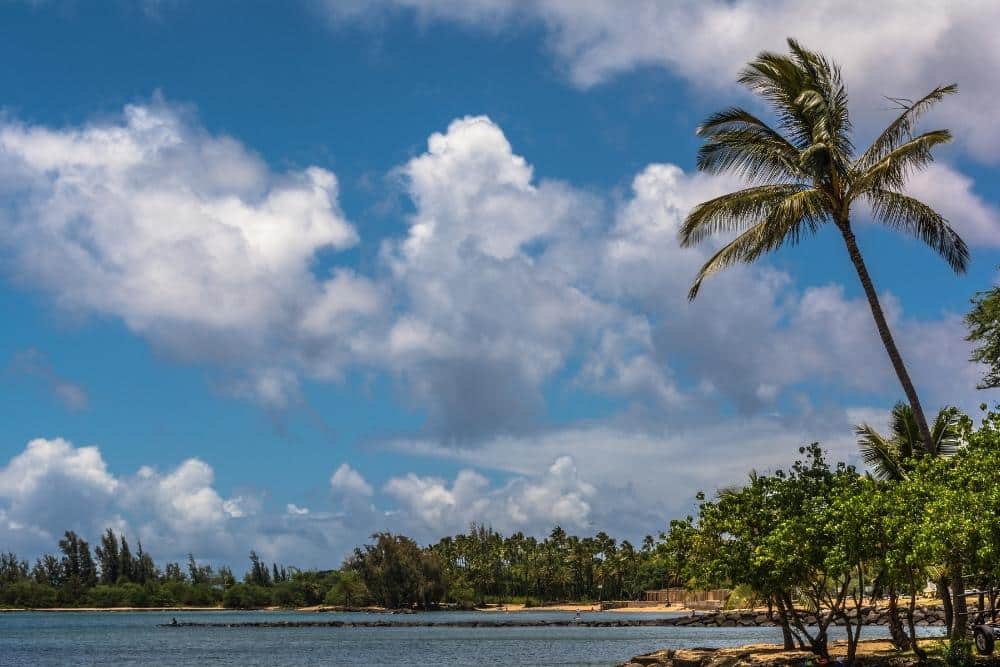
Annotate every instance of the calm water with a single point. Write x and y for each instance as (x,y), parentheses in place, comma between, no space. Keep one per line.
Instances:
(51,638)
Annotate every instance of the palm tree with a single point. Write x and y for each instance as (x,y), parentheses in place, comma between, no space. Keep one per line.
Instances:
(891,457)
(806,174)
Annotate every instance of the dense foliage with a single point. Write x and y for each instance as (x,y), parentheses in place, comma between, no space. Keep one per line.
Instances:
(984,330)
(826,539)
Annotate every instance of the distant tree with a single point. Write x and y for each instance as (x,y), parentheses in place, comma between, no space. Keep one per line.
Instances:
(48,570)
(396,572)
(145,569)
(173,573)
(226,577)
(194,572)
(984,330)
(108,557)
(12,569)
(258,574)
(126,563)
(78,564)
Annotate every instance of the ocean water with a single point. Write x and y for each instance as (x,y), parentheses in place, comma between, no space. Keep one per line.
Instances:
(133,638)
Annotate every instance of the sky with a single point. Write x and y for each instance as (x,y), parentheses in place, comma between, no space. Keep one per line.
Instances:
(281,275)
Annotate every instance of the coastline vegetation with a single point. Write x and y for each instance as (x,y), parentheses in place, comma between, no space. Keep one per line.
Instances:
(466,570)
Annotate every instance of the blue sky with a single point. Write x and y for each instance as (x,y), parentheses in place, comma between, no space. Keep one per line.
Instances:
(281,276)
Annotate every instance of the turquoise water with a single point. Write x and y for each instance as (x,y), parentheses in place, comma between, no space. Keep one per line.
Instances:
(133,638)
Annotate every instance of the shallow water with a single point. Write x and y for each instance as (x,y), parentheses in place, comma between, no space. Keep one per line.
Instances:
(133,638)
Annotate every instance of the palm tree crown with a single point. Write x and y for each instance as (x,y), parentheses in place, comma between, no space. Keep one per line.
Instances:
(891,457)
(804,173)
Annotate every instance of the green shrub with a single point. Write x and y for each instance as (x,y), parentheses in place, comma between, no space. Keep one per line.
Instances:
(288,594)
(27,594)
(348,591)
(246,596)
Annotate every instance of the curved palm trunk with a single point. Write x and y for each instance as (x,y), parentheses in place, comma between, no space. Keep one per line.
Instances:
(886,335)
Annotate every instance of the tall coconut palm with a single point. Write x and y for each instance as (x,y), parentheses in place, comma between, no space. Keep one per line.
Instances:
(890,457)
(805,174)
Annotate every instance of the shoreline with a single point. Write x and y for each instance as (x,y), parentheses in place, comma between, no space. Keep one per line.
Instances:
(583,608)
(871,652)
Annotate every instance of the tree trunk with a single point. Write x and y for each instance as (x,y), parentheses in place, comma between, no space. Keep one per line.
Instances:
(944,592)
(919,652)
(885,334)
(958,597)
(899,637)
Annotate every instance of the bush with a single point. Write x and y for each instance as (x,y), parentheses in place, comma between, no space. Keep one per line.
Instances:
(288,594)
(28,594)
(348,591)
(246,596)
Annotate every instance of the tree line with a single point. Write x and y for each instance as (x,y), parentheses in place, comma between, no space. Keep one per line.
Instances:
(393,571)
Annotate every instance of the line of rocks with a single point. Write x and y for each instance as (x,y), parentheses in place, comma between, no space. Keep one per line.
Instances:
(922,616)
(526,623)
(723,619)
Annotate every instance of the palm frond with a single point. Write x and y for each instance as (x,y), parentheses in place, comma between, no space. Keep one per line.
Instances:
(733,212)
(780,81)
(905,433)
(904,213)
(825,102)
(736,140)
(796,214)
(902,127)
(891,171)
(946,434)
(879,454)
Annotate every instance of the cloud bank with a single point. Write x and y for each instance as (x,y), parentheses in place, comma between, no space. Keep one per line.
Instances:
(894,48)
(505,290)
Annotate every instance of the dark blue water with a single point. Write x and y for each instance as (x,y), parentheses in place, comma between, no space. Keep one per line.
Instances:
(133,638)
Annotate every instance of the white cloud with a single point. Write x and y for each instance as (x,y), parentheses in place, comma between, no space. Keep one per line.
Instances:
(528,503)
(487,275)
(951,194)
(188,237)
(615,477)
(502,285)
(894,48)
(347,480)
(295,510)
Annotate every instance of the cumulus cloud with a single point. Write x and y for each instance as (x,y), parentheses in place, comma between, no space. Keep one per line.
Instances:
(898,49)
(486,272)
(555,496)
(951,193)
(188,237)
(52,485)
(614,476)
(502,283)
(346,480)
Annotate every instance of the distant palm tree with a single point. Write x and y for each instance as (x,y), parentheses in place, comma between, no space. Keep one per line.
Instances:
(891,457)
(807,175)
